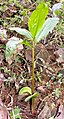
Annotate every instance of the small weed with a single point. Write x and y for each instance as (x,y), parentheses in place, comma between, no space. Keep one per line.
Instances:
(15,113)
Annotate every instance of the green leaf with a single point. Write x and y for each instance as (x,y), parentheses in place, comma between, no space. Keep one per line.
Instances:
(37,18)
(47,27)
(51,117)
(31,96)
(22,31)
(11,46)
(16,111)
(25,90)
(18,117)
(56,6)
(26,43)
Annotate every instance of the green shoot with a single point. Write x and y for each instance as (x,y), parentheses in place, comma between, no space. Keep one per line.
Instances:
(39,28)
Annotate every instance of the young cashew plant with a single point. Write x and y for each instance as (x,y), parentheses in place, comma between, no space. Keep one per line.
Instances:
(39,27)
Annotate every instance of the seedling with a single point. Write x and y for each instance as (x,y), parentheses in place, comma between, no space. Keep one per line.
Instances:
(15,113)
(38,29)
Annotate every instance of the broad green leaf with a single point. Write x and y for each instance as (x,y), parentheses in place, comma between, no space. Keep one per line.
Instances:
(22,31)
(47,27)
(11,46)
(31,96)
(37,18)
(25,90)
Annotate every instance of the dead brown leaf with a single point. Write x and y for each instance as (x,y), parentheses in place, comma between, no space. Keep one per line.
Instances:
(60,114)
(28,55)
(60,53)
(3,111)
(3,36)
(45,113)
(42,89)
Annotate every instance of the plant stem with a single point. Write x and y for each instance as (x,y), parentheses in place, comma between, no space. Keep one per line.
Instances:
(33,77)
(13,114)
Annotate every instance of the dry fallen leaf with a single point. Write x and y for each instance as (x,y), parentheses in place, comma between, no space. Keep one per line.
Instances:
(60,53)
(42,89)
(3,111)
(3,36)
(41,52)
(60,114)
(45,113)
(1,78)
(28,55)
